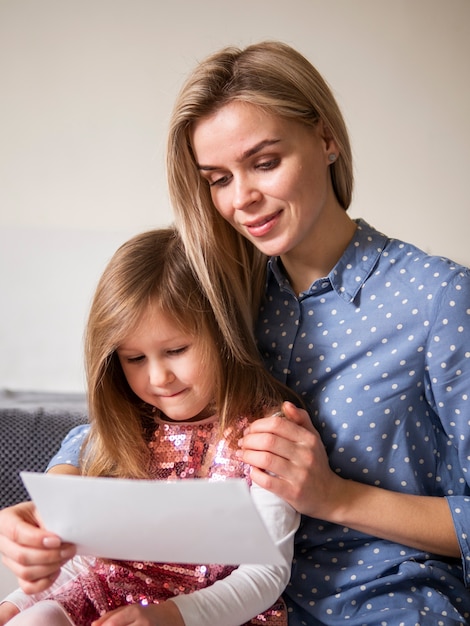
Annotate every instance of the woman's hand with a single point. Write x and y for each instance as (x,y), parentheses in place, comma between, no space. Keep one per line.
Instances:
(164,614)
(288,458)
(32,553)
(7,611)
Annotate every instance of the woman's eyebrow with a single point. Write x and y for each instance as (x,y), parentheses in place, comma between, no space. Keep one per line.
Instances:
(245,155)
(259,146)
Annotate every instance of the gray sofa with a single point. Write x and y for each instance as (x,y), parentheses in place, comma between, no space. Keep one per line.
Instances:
(32,426)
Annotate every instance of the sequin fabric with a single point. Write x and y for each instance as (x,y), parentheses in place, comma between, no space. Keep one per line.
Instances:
(180,451)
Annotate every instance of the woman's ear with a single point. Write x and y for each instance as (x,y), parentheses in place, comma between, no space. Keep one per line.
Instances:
(328,139)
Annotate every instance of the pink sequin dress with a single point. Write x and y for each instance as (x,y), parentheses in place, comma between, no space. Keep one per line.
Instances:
(180,451)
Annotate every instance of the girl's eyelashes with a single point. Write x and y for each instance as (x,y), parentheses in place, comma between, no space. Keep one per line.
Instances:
(176,351)
(139,358)
(135,359)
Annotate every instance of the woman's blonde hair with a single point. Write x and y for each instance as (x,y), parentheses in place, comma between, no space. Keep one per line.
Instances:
(271,75)
(152,271)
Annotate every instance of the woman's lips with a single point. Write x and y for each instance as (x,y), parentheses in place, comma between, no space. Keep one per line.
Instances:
(263,226)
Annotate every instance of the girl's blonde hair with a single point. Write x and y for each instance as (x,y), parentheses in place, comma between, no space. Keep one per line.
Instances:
(151,270)
(271,75)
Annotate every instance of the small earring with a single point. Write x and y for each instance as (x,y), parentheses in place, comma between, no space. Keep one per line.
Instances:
(332,157)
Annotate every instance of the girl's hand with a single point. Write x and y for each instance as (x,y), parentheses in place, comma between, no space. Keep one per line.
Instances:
(32,553)
(7,611)
(288,458)
(164,614)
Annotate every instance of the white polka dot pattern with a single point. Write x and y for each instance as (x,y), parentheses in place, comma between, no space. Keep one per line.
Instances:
(380,352)
(69,453)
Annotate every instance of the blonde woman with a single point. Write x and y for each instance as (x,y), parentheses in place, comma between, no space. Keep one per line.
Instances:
(371,332)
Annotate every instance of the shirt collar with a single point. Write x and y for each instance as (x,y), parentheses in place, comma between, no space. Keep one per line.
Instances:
(352,269)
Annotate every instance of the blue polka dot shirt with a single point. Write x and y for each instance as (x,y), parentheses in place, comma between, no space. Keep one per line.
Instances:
(380,352)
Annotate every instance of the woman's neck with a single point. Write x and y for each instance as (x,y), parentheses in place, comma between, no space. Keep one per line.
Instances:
(316,256)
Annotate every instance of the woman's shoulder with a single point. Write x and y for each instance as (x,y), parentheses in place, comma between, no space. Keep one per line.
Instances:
(408,258)
(411,260)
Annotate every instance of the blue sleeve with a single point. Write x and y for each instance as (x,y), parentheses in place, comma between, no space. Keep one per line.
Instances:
(69,452)
(448,360)
(460,510)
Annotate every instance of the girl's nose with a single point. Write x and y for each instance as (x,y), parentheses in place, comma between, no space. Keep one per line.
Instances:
(159,375)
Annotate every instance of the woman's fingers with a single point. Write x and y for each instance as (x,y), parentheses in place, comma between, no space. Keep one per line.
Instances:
(278,435)
(288,457)
(298,416)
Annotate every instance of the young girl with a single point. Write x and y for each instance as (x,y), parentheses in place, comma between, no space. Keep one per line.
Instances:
(168,400)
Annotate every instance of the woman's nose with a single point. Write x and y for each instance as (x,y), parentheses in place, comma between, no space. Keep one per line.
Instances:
(245,193)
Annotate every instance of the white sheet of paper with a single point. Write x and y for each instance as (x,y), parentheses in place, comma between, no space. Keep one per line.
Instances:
(184,521)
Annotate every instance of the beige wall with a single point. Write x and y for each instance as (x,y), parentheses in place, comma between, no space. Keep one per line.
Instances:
(86,91)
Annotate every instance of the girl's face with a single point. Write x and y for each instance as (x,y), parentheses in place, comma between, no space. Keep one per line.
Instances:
(269,177)
(164,367)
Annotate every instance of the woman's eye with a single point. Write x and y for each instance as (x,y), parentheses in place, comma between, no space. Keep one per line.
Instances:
(268,165)
(220,182)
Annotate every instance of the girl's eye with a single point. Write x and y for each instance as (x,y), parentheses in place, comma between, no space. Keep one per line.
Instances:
(177,351)
(135,359)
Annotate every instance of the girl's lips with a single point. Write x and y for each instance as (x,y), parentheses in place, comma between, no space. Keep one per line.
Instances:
(263,226)
(171,395)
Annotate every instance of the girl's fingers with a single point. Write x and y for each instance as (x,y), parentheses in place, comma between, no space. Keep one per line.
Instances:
(23,539)
(34,555)
(20,525)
